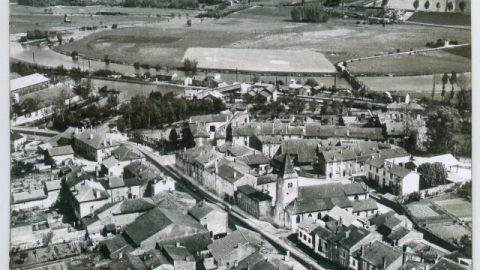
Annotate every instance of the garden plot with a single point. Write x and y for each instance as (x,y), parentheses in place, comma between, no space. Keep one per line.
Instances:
(422,211)
(459,208)
(260,60)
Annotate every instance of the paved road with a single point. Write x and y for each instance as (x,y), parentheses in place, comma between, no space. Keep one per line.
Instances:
(264,228)
(35,131)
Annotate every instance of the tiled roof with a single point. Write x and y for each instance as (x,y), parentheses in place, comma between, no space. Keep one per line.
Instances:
(126,153)
(116,243)
(222,247)
(119,181)
(229,174)
(338,213)
(200,210)
(270,139)
(255,159)
(305,149)
(398,233)
(61,151)
(178,253)
(353,236)
(88,190)
(364,205)
(97,140)
(53,185)
(157,220)
(253,193)
(265,179)
(376,252)
(338,155)
(110,162)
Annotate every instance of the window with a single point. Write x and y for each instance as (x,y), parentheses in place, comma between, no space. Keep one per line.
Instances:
(319,215)
(290,185)
(377,170)
(310,215)
(212,128)
(298,219)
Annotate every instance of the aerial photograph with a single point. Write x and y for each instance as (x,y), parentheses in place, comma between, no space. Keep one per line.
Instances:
(240,134)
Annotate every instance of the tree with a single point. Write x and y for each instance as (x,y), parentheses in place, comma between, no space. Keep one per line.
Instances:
(190,66)
(450,6)
(228,133)
(462,5)
(416,4)
(312,105)
(464,101)
(384,3)
(445,79)
(74,55)
(60,39)
(426,5)
(438,5)
(432,174)
(106,59)
(411,142)
(173,139)
(187,138)
(114,26)
(189,23)
(47,238)
(311,82)
(442,124)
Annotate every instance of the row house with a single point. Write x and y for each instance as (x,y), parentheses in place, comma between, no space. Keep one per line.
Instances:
(395,178)
(119,159)
(209,123)
(268,144)
(193,162)
(214,219)
(254,202)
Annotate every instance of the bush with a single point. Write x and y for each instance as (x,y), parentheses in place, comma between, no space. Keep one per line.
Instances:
(136,65)
(114,26)
(309,13)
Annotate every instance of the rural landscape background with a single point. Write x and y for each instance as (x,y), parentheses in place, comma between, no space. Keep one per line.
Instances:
(240,134)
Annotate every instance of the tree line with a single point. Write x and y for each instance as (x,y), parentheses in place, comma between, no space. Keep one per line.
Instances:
(309,13)
(159,109)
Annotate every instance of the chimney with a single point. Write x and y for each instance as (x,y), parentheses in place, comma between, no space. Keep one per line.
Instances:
(362,251)
(234,174)
(91,136)
(348,132)
(235,263)
(120,255)
(110,141)
(384,263)
(177,244)
(404,255)
(287,255)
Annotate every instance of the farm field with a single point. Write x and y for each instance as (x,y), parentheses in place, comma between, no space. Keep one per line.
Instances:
(445,18)
(258,28)
(420,84)
(420,63)
(260,60)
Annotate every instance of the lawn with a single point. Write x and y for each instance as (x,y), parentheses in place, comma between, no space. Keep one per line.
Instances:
(441,18)
(431,62)
(260,60)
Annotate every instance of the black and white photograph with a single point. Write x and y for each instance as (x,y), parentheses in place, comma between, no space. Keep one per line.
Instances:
(239,135)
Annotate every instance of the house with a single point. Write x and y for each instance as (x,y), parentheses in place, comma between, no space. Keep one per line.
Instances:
(390,176)
(52,188)
(59,155)
(111,167)
(365,208)
(377,255)
(254,202)
(161,226)
(178,256)
(210,122)
(258,163)
(314,202)
(116,215)
(227,252)
(226,179)
(339,244)
(93,145)
(305,232)
(28,84)
(268,144)
(339,163)
(446,264)
(214,219)
(88,196)
(178,201)
(115,248)
(402,235)
(120,188)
